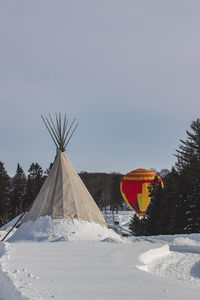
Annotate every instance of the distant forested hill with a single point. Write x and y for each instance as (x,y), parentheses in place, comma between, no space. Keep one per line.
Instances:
(17,193)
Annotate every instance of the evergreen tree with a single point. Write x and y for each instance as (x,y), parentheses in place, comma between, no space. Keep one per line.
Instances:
(155,223)
(169,206)
(137,225)
(176,208)
(188,154)
(46,172)
(18,193)
(34,183)
(171,211)
(193,213)
(4,195)
(188,167)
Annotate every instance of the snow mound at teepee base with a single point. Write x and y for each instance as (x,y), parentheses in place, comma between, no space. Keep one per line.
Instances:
(54,230)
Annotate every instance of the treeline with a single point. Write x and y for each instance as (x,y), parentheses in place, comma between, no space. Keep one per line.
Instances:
(19,192)
(175,209)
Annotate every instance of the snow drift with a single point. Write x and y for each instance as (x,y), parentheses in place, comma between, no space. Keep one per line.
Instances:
(54,230)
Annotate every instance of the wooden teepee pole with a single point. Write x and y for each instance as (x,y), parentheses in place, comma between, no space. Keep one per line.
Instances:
(16,222)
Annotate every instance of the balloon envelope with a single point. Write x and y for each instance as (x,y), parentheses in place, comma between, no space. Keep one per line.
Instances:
(135,189)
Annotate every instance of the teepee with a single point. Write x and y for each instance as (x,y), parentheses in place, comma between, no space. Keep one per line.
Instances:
(63,194)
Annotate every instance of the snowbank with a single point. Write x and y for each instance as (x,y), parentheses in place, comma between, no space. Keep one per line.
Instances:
(54,230)
(179,259)
(185,244)
(149,256)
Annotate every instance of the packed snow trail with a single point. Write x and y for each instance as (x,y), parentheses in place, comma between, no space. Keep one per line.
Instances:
(8,289)
(89,270)
(79,260)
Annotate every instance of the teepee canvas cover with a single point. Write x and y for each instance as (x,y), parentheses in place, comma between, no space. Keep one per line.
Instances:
(64,195)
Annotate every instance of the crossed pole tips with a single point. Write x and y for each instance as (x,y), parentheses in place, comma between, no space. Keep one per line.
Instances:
(60,131)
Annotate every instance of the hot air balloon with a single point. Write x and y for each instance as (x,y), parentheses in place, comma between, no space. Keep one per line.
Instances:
(135,189)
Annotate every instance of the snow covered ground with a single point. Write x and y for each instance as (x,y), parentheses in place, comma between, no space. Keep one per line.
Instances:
(88,262)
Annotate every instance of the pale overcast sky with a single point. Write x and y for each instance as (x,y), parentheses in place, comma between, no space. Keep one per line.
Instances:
(128,71)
